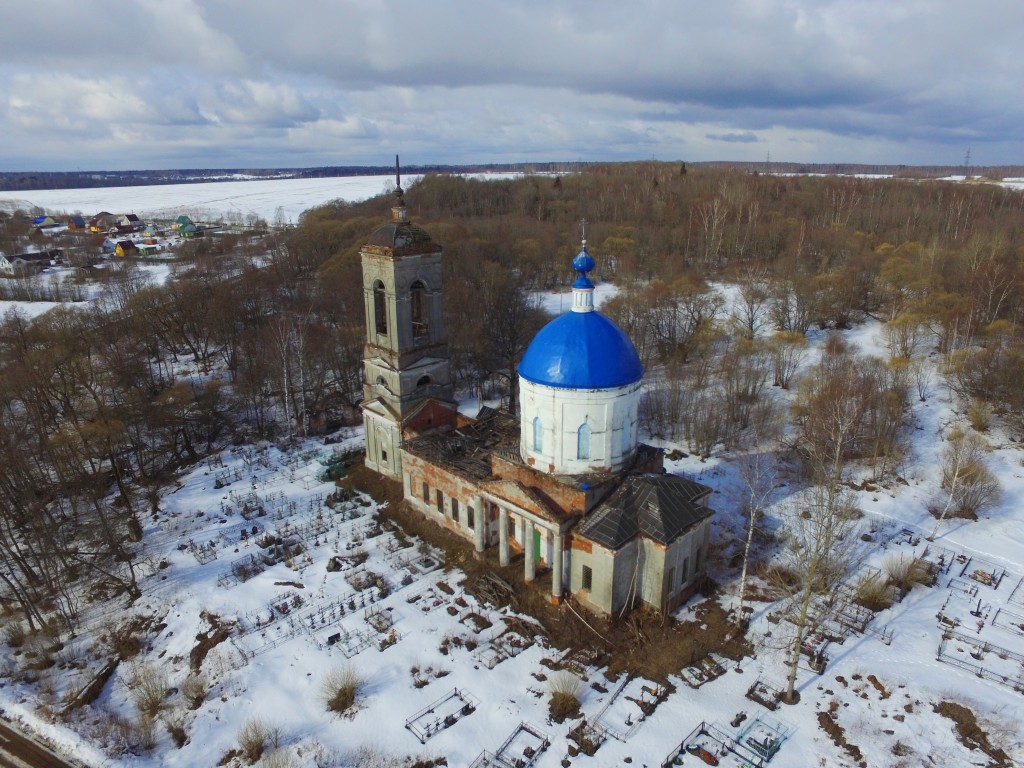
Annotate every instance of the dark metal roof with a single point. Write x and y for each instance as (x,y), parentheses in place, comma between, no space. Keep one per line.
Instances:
(660,507)
(401,239)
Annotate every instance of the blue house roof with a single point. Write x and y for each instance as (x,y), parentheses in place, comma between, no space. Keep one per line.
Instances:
(581,350)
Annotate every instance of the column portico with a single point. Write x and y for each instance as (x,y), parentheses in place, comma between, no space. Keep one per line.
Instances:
(556,568)
(502,537)
(528,551)
(479,524)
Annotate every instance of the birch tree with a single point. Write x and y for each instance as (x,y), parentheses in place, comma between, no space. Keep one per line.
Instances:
(969,484)
(819,556)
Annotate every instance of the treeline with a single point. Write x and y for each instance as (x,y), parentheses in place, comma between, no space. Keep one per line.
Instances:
(261,338)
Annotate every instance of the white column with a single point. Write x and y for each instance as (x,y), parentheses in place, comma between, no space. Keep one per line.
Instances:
(479,523)
(531,562)
(502,537)
(556,567)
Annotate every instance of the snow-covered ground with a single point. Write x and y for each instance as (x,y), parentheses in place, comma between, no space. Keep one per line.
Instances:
(273,200)
(426,645)
(448,676)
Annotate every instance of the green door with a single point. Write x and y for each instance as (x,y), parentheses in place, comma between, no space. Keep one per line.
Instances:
(536,545)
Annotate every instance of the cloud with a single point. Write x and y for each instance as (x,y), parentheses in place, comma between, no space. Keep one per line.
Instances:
(198,81)
(744,137)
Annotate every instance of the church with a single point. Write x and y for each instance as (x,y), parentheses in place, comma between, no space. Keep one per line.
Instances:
(566,484)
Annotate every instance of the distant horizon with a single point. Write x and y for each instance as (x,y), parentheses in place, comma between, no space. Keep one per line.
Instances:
(173,174)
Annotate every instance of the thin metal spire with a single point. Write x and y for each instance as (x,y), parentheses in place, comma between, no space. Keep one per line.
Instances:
(399,214)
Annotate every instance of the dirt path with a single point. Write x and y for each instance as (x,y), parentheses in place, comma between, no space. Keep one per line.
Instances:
(20,751)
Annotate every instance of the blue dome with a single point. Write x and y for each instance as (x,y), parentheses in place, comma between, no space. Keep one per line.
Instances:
(581,350)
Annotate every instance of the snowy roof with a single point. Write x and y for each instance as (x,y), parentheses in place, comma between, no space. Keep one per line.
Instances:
(660,507)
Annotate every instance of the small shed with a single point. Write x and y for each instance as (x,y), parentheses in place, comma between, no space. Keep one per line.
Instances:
(76,222)
(44,222)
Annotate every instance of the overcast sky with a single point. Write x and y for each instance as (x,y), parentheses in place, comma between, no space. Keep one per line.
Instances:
(117,84)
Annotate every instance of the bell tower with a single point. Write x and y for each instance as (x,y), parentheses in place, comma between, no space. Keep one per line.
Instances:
(407,388)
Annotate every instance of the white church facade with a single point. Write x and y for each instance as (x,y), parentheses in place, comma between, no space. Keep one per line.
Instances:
(566,485)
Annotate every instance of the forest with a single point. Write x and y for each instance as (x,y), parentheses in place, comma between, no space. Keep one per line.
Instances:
(259,337)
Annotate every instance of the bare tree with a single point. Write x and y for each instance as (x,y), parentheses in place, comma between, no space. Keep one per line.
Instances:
(819,556)
(969,484)
(758,470)
(750,309)
(788,350)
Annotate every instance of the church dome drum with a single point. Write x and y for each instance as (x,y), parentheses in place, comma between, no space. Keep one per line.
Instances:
(579,388)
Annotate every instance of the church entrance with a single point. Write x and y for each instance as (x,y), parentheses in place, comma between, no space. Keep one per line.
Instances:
(536,545)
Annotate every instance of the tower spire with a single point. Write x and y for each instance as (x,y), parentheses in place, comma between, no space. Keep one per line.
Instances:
(399,213)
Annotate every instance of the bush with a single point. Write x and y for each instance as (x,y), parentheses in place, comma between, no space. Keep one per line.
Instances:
(193,689)
(874,593)
(145,733)
(14,633)
(565,690)
(175,725)
(979,414)
(340,689)
(905,573)
(252,739)
(149,689)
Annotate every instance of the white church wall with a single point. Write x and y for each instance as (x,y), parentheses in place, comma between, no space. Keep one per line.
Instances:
(563,411)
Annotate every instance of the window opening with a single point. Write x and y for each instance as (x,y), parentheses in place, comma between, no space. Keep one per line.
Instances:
(455,510)
(417,296)
(583,442)
(380,311)
(538,434)
(439,500)
(426,493)
(587,577)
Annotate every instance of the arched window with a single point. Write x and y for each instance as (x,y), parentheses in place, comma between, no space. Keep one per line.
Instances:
(538,434)
(627,435)
(424,381)
(583,442)
(418,301)
(380,310)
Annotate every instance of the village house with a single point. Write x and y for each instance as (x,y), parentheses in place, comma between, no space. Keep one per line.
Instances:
(27,263)
(132,222)
(126,248)
(101,222)
(44,222)
(566,484)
